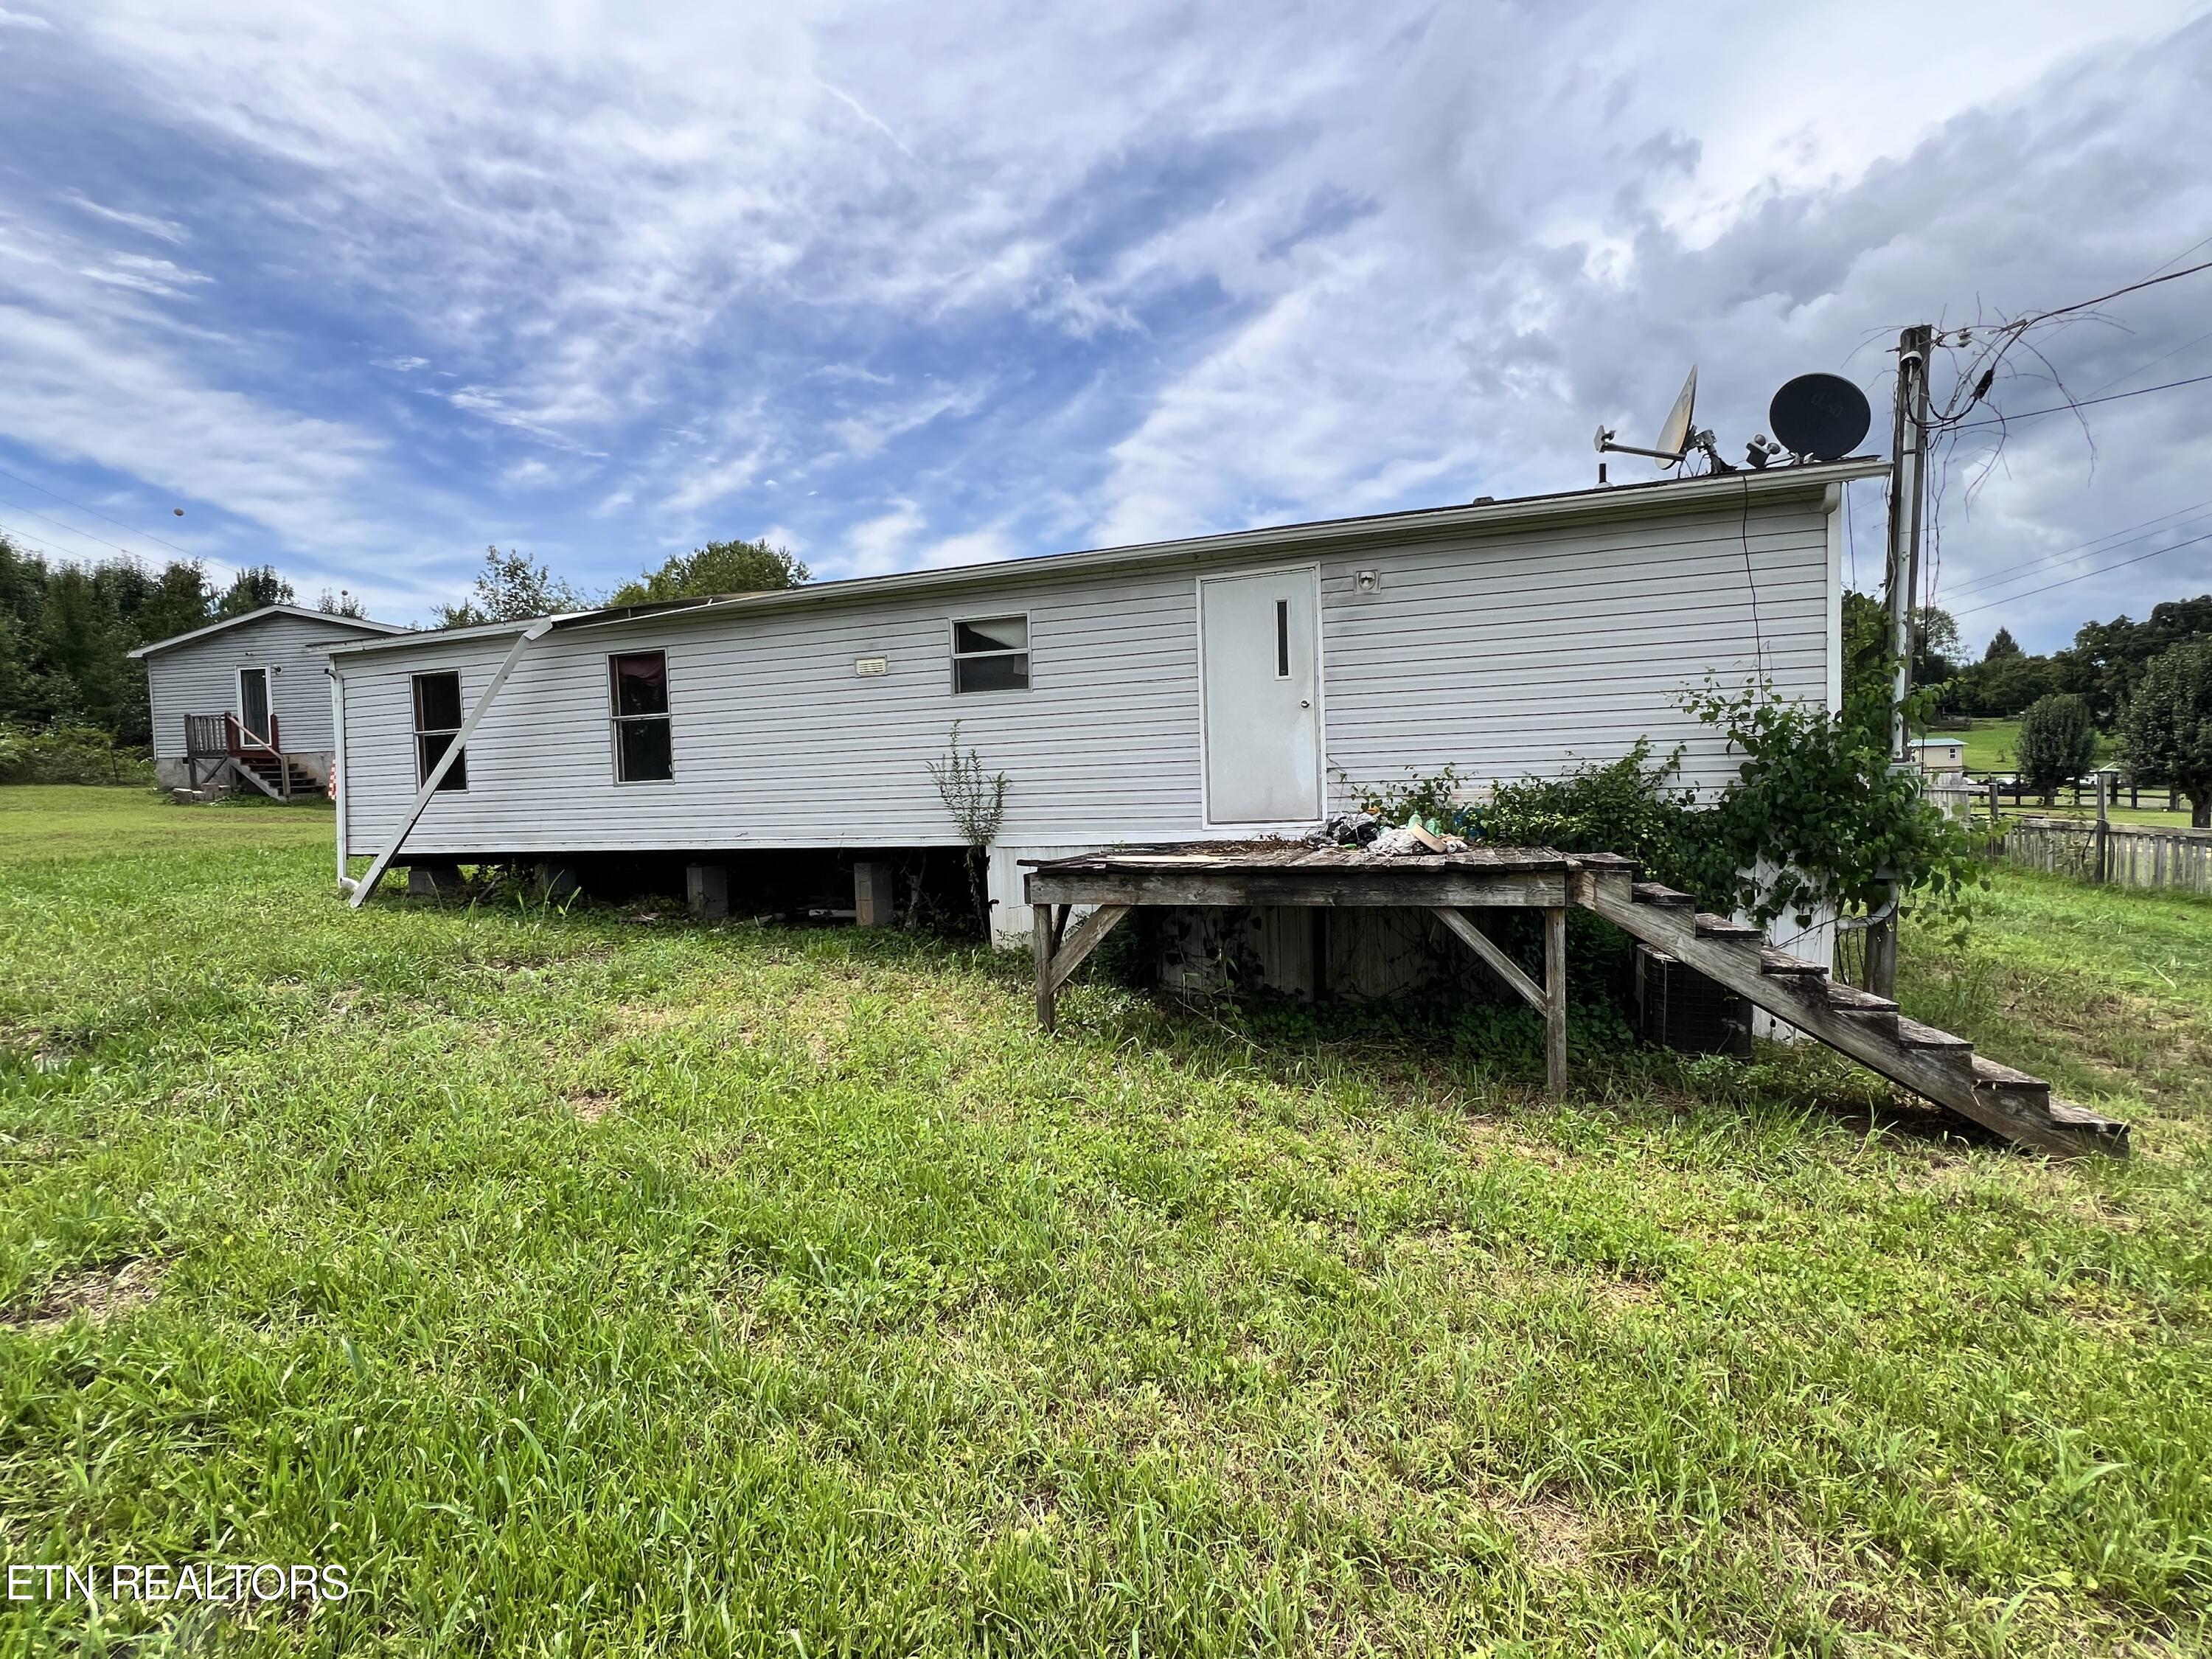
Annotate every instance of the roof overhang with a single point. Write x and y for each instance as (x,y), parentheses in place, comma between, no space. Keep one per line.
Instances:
(1665,495)
(360,624)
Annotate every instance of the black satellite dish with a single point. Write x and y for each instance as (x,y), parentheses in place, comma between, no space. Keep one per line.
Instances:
(1819,416)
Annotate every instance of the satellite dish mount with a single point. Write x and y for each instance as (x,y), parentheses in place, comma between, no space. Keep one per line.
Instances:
(1677,438)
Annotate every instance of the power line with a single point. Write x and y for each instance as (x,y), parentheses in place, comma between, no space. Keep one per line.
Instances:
(146,534)
(2184,254)
(2084,402)
(2157,552)
(2148,282)
(72,528)
(2106,544)
(2161,358)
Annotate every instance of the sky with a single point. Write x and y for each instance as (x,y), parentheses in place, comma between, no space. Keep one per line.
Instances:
(365,290)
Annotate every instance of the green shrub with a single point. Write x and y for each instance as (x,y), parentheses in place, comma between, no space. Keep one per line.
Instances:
(69,754)
(2057,742)
(1815,816)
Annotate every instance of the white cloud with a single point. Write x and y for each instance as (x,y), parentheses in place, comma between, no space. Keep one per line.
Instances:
(1118,274)
(167,230)
(22,19)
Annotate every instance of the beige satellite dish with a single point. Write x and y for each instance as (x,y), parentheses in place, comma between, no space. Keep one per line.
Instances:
(1674,437)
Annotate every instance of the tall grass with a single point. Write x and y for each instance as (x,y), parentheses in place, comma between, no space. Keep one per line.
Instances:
(588,1285)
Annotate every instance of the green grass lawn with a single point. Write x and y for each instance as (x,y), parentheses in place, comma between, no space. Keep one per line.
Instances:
(585,1284)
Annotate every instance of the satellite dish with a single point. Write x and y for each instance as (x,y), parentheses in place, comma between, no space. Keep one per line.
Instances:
(1819,416)
(1675,436)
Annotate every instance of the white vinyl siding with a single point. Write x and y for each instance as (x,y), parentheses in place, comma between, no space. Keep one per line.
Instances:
(1522,650)
(202,678)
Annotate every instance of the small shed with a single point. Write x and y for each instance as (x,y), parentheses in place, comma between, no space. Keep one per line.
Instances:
(1939,755)
(245,703)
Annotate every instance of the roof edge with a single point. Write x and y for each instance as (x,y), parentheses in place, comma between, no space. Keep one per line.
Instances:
(363,623)
(1598,502)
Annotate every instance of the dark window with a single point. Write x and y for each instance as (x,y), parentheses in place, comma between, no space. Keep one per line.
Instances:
(991,653)
(1282,639)
(644,752)
(437,719)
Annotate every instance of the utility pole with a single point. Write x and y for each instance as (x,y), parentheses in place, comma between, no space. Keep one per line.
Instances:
(1908,494)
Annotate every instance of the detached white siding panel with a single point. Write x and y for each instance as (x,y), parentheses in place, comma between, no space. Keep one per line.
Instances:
(1523,650)
(202,678)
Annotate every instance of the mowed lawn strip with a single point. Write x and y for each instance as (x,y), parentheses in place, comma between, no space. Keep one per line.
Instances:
(589,1284)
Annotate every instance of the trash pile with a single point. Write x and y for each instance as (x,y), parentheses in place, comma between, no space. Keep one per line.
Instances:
(1367,832)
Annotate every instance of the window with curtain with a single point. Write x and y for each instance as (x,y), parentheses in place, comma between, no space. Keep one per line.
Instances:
(644,751)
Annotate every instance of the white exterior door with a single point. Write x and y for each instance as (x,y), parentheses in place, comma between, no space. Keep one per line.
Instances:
(1260,643)
(253,703)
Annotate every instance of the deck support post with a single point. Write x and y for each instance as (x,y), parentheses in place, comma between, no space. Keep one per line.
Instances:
(1061,950)
(1040,947)
(1549,999)
(1555,999)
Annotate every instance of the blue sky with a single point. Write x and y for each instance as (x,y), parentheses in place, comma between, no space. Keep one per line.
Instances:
(364,290)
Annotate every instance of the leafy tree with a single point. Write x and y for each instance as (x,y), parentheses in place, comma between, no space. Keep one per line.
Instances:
(2166,733)
(341,603)
(717,567)
(178,601)
(512,587)
(254,588)
(2057,742)
(2001,646)
(1935,646)
(2109,659)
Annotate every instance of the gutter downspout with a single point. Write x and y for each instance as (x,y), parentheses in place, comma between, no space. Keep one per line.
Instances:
(338,768)
(367,885)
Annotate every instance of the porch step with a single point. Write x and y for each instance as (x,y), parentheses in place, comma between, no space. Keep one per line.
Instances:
(1712,926)
(1935,1065)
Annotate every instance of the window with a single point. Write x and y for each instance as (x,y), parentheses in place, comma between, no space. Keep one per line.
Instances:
(1282,639)
(437,718)
(991,654)
(643,752)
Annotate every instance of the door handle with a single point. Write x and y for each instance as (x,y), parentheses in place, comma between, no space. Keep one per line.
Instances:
(1306,702)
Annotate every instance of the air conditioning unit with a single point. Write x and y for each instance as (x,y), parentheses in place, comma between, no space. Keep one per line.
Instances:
(1678,1007)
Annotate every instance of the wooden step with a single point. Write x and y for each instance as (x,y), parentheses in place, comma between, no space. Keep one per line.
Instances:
(1867,1011)
(1652,892)
(1712,926)
(1781,961)
(1913,1034)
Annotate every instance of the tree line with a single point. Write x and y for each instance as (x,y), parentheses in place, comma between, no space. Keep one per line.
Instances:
(2147,685)
(67,629)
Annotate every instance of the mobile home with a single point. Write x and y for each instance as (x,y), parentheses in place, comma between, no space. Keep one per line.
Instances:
(1226,686)
(245,702)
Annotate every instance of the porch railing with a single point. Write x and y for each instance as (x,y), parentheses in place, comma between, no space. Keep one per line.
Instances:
(212,736)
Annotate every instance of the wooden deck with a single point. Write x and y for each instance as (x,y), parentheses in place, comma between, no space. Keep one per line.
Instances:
(1933,1064)
(1448,884)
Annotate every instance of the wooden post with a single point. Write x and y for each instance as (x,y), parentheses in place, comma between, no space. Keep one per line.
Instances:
(1555,999)
(2104,830)
(1041,944)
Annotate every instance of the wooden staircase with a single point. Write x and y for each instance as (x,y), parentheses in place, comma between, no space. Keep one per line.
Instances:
(277,775)
(1933,1064)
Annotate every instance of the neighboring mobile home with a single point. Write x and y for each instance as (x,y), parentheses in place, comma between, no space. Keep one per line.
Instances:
(1227,686)
(245,703)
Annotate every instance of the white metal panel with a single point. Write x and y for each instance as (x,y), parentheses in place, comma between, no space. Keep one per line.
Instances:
(1259,648)
(1520,651)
